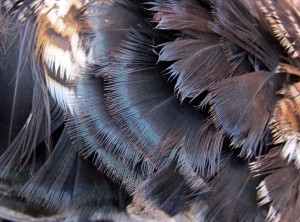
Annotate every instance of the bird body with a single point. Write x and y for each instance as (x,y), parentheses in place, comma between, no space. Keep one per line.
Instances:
(150,110)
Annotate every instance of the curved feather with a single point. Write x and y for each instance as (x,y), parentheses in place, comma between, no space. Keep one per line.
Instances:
(280,187)
(93,132)
(246,117)
(103,63)
(144,105)
(235,23)
(68,183)
(230,196)
(283,19)
(36,127)
(198,56)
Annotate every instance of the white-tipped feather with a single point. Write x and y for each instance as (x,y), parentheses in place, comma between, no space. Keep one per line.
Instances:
(273,215)
(263,194)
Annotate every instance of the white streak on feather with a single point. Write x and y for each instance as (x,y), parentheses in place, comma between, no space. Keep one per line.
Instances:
(63,95)
(273,215)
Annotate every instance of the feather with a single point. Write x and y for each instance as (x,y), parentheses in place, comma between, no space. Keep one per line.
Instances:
(36,127)
(10,97)
(166,190)
(144,105)
(122,110)
(230,196)
(67,182)
(285,123)
(283,19)
(234,22)
(22,8)
(16,209)
(93,132)
(194,56)
(280,187)
(60,45)
(194,68)
(186,16)
(98,137)
(245,118)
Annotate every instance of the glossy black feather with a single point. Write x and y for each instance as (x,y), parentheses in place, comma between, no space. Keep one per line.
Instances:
(67,182)
(92,130)
(143,103)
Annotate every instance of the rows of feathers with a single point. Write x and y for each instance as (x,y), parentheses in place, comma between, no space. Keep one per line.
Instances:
(153,108)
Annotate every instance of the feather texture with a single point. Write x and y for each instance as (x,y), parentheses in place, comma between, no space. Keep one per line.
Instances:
(285,126)
(245,117)
(64,180)
(125,110)
(280,187)
(145,107)
(283,19)
(194,54)
(219,200)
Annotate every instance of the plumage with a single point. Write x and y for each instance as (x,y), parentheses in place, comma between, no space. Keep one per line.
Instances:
(280,187)
(155,110)
(231,195)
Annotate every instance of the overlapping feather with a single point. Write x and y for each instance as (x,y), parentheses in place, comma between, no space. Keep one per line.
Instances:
(230,195)
(143,103)
(122,114)
(280,187)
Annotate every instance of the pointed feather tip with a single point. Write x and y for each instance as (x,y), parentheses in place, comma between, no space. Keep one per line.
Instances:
(291,151)
(282,19)
(263,194)
(249,136)
(264,198)
(285,126)
(273,215)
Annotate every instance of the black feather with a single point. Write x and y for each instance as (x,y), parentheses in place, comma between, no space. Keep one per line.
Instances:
(92,130)
(143,103)
(37,127)
(231,195)
(68,183)
(235,23)
(243,106)
(280,188)
(198,56)
(166,190)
